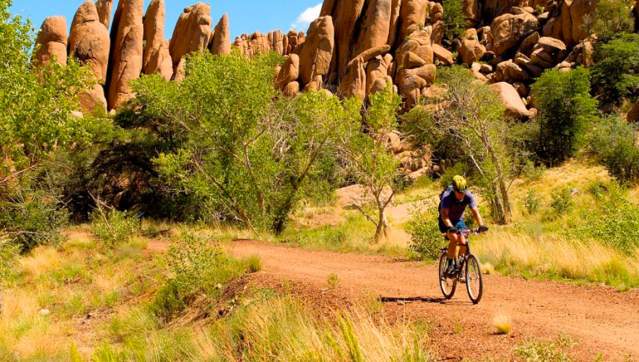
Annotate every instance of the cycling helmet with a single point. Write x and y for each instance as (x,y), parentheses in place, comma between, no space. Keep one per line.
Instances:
(460,184)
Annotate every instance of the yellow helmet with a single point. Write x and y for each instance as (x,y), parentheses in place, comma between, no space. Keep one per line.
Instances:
(460,184)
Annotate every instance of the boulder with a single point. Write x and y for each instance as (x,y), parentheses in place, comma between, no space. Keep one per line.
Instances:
(317,51)
(416,50)
(89,43)
(291,89)
(221,43)
(410,82)
(345,15)
(157,58)
(511,99)
(509,30)
(51,43)
(413,16)
(290,71)
(471,50)
(377,75)
(443,55)
(192,32)
(104,11)
(526,46)
(375,25)
(472,11)
(396,7)
(354,82)
(127,48)
(510,72)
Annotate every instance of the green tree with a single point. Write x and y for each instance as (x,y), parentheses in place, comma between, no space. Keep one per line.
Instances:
(473,119)
(611,17)
(370,162)
(245,152)
(454,19)
(565,110)
(615,74)
(615,144)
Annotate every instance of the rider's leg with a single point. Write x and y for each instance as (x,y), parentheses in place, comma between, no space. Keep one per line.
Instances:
(453,249)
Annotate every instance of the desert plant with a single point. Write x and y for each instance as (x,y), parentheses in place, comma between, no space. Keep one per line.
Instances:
(615,75)
(615,145)
(565,110)
(113,226)
(426,239)
(611,17)
(532,202)
(454,19)
(562,200)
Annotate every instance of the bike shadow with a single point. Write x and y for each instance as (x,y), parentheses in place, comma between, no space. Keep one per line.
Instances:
(413,300)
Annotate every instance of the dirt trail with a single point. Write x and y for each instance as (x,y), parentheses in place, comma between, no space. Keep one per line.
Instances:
(599,319)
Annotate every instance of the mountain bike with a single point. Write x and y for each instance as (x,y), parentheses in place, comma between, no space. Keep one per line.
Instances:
(468,272)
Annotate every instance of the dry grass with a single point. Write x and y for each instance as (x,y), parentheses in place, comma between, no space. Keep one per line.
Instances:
(502,323)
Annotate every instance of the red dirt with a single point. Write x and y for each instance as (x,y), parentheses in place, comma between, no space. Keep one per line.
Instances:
(599,319)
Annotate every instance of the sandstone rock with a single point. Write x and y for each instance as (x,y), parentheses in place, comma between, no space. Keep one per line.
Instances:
(89,43)
(104,11)
(290,71)
(377,75)
(509,30)
(157,58)
(580,10)
(443,55)
(510,72)
(471,50)
(126,51)
(522,89)
(317,51)
(494,8)
(393,142)
(354,82)
(192,32)
(417,44)
(52,41)
(344,17)
(291,89)
(413,15)
(292,42)
(371,53)
(375,28)
(529,43)
(221,43)
(180,71)
(472,11)
(511,99)
(410,82)
(396,7)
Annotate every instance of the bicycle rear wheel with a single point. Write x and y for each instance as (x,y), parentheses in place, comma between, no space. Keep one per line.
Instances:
(446,284)
(474,282)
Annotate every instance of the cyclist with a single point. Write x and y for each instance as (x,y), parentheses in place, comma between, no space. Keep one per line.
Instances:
(453,203)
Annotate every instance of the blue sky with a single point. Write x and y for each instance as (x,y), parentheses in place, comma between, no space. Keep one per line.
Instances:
(246,16)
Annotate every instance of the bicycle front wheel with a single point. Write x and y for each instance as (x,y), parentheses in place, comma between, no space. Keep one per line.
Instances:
(447,285)
(474,282)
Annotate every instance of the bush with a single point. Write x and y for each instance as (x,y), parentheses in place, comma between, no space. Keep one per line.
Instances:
(614,144)
(615,74)
(532,202)
(565,110)
(545,351)
(612,17)
(113,226)
(454,19)
(426,239)
(562,200)
(196,268)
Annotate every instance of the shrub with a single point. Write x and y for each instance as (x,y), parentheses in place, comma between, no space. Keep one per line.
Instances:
(532,202)
(612,17)
(113,226)
(426,239)
(565,109)
(562,200)
(615,74)
(454,19)
(196,268)
(545,351)
(8,261)
(615,145)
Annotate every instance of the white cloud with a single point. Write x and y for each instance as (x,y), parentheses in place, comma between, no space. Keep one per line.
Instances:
(306,17)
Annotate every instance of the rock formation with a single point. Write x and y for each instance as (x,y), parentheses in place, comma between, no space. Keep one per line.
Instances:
(317,51)
(125,65)
(89,43)
(104,11)
(157,58)
(221,42)
(52,41)
(192,32)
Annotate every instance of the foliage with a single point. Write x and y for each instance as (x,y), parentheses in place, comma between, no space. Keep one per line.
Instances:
(612,17)
(370,162)
(614,221)
(249,157)
(537,351)
(474,126)
(426,239)
(565,110)
(196,268)
(113,226)
(562,200)
(8,261)
(454,19)
(615,145)
(532,202)
(615,75)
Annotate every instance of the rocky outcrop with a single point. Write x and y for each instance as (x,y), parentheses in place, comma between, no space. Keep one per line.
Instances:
(375,28)
(345,15)
(221,43)
(104,11)
(157,58)
(317,51)
(89,43)
(192,32)
(508,30)
(412,16)
(511,100)
(471,49)
(289,73)
(127,49)
(51,44)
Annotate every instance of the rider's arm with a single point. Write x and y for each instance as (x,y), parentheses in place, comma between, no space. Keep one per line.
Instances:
(477,216)
(446,218)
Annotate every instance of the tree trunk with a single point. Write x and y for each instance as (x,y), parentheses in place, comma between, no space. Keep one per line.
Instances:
(382,225)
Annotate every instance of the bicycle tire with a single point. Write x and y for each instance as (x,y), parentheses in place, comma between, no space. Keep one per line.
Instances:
(474,280)
(447,290)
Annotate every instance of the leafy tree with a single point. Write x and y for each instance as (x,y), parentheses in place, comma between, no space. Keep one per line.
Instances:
(565,109)
(454,19)
(615,74)
(371,163)
(612,17)
(473,118)
(238,148)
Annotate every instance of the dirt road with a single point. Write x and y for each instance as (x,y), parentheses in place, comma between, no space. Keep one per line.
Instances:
(599,320)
